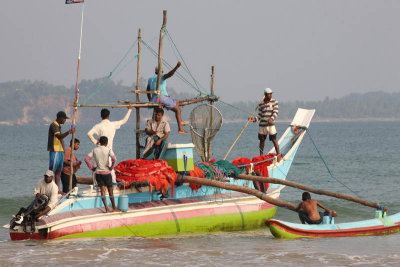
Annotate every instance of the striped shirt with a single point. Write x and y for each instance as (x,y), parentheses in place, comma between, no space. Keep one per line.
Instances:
(267,111)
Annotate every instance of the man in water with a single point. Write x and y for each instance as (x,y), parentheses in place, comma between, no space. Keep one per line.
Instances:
(55,145)
(66,171)
(158,131)
(169,102)
(101,155)
(47,187)
(267,113)
(308,210)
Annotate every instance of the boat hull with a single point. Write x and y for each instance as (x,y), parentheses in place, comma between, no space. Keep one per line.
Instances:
(286,230)
(160,220)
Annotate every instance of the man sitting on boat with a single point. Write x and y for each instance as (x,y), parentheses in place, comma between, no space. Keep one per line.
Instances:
(47,187)
(308,210)
(267,113)
(101,155)
(158,131)
(169,102)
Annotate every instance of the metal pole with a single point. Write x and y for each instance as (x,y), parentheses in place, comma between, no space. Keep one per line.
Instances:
(76,102)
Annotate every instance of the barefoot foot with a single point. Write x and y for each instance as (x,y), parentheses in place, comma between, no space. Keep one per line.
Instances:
(182,132)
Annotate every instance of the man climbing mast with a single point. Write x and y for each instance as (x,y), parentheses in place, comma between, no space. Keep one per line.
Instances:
(169,102)
(267,113)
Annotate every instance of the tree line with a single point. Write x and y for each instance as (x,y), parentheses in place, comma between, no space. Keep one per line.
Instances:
(37,102)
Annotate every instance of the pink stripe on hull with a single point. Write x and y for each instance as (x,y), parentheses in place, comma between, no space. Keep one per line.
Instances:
(119,222)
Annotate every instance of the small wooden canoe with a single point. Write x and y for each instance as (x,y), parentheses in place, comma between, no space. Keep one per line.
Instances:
(387,225)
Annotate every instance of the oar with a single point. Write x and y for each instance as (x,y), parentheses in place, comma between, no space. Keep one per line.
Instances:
(241,189)
(309,188)
(245,126)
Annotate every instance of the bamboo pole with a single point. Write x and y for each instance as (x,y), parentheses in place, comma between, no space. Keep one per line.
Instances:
(209,147)
(241,132)
(242,189)
(308,188)
(160,42)
(76,101)
(125,104)
(138,95)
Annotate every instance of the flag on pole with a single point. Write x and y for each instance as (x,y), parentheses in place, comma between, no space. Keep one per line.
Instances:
(74,1)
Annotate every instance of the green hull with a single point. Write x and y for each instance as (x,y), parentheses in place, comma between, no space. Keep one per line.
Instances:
(203,224)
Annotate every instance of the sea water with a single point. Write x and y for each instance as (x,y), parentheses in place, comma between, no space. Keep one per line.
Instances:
(363,159)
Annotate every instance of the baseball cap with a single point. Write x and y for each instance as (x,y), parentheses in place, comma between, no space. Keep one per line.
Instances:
(49,173)
(62,114)
(268,91)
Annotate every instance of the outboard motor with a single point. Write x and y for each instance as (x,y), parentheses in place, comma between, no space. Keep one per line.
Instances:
(26,216)
(258,185)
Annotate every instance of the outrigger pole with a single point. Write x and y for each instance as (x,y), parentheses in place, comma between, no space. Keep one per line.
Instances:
(209,144)
(160,43)
(76,101)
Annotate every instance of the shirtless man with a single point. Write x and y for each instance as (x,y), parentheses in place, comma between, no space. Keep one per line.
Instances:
(308,210)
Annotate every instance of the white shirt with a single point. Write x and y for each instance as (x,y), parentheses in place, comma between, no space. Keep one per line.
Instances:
(107,128)
(50,190)
(101,155)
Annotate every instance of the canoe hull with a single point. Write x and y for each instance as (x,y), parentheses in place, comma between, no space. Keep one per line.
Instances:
(286,230)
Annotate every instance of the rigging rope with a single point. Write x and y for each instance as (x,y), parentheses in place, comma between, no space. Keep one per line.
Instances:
(326,165)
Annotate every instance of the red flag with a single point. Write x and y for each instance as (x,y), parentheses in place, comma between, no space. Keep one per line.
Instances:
(74,1)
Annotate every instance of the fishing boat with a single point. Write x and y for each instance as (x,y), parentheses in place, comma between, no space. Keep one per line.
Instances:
(234,205)
(377,226)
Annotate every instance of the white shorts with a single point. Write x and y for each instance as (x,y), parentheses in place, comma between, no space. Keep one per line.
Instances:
(271,130)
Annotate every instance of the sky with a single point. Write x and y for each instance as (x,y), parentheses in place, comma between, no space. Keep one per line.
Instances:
(303,50)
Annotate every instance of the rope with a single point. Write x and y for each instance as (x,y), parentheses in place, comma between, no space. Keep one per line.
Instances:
(108,78)
(326,165)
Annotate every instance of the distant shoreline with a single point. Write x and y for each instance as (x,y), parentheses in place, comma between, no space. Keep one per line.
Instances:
(7,123)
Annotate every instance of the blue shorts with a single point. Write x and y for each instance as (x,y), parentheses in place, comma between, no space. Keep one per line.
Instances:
(168,101)
(56,160)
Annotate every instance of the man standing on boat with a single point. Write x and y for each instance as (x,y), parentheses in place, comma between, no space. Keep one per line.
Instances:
(55,145)
(169,102)
(102,170)
(308,210)
(267,113)
(107,128)
(66,171)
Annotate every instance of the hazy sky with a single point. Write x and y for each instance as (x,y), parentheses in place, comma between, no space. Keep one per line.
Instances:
(303,50)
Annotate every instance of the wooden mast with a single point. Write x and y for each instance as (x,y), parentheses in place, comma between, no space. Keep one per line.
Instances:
(138,95)
(76,101)
(209,146)
(160,43)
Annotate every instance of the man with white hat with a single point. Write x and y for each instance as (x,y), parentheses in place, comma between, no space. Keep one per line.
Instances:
(47,187)
(267,113)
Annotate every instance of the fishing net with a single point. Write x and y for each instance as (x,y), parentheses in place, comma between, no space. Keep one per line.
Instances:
(205,122)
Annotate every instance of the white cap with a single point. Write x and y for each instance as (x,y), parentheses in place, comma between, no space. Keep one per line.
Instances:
(268,91)
(49,173)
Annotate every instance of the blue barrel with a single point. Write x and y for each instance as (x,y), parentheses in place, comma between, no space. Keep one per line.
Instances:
(123,202)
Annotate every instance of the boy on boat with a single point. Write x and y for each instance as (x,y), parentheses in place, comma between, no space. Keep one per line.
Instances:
(158,131)
(308,210)
(66,171)
(55,145)
(101,155)
(47,187)
(267,113)
(169,102)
